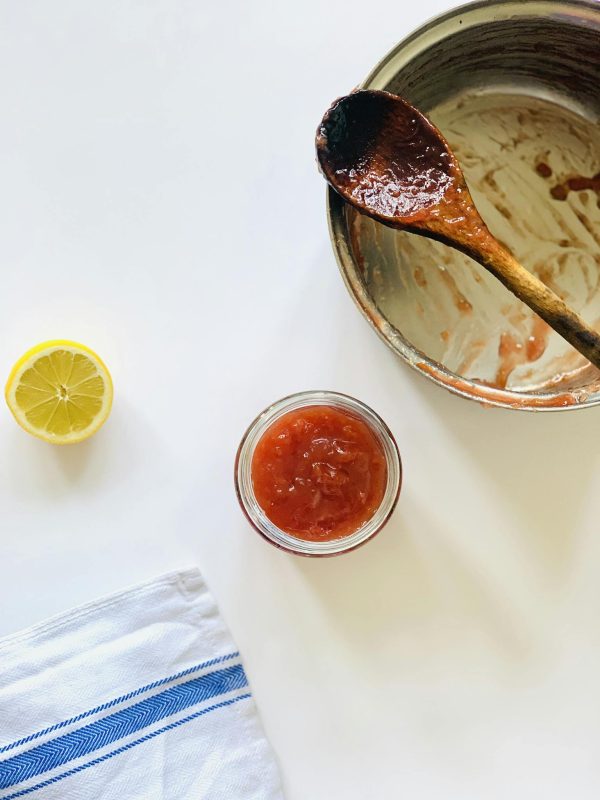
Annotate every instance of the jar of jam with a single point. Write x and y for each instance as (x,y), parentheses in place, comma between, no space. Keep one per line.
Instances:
(318,473)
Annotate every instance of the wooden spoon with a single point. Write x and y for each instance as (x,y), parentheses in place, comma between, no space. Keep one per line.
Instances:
(391,163)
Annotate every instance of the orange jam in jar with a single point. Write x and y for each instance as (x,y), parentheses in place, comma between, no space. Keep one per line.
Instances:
(318,473)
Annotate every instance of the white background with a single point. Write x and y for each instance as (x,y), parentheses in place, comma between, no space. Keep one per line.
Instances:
(159,201)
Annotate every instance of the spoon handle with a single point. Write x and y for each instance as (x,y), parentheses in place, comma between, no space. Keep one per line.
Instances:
(530,289)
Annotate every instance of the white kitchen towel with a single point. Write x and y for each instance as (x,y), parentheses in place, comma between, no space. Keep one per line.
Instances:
(139,696)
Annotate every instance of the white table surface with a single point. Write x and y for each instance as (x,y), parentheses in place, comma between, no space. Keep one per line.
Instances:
(159,201)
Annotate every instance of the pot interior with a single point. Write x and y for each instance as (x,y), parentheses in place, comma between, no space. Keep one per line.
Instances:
(516,96)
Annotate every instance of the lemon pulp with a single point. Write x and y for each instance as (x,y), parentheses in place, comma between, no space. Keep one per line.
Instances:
(60,391)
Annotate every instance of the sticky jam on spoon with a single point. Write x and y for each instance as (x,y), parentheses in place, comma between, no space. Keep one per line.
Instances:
(394,164)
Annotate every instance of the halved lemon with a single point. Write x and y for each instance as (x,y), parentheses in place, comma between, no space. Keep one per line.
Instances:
(60,391)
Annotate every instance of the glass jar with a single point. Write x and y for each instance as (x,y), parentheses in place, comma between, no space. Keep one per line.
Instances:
(256,515)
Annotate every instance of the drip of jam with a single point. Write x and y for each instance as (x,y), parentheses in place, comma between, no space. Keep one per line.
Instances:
(319,473)
(577,183)
(512,352)
(543,169)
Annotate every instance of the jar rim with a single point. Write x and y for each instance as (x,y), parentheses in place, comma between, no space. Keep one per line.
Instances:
(245,490)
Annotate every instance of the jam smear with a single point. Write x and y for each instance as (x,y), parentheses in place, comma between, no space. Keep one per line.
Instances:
(543,169)
(319,473)
(577,183)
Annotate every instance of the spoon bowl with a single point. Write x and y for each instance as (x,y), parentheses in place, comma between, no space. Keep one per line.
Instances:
(383,155)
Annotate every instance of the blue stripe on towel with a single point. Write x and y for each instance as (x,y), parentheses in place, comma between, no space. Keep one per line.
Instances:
(117,700)
(102,732)
(125,747)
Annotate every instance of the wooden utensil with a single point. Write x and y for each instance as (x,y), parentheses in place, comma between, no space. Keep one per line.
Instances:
(391,163)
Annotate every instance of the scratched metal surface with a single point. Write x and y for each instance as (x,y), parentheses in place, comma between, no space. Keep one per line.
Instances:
(511,86)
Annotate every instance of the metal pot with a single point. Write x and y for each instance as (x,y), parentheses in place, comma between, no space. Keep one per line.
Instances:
(514,87)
